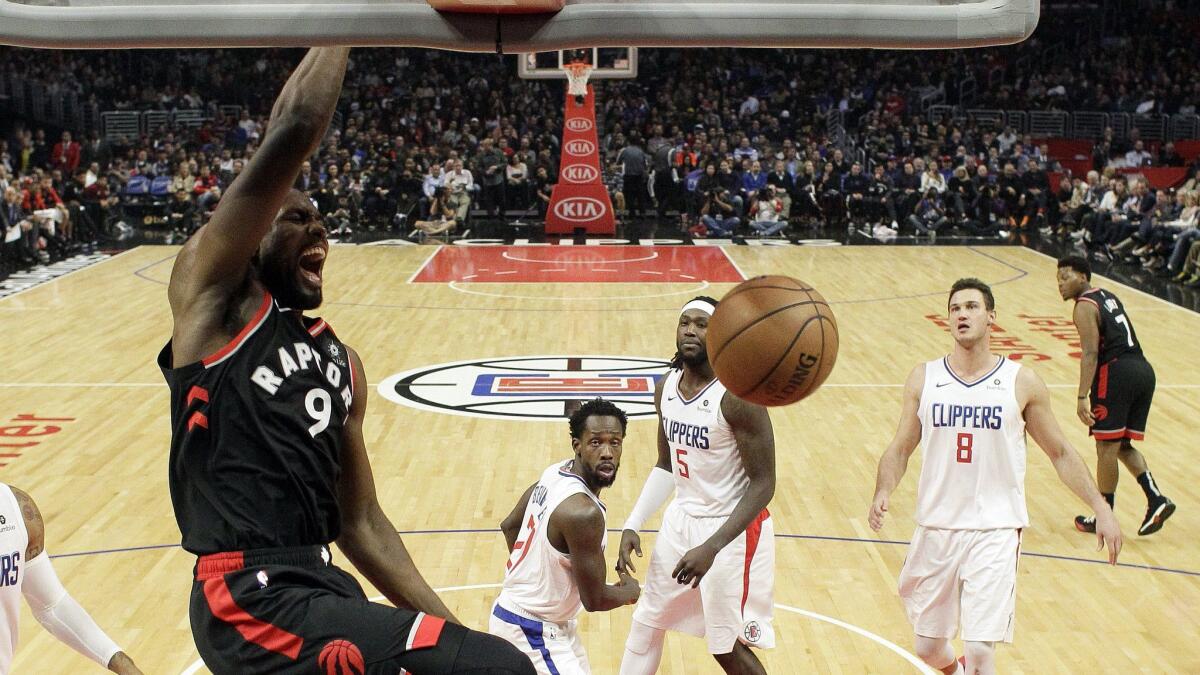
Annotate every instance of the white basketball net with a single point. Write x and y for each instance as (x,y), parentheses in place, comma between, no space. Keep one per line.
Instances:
(577,78)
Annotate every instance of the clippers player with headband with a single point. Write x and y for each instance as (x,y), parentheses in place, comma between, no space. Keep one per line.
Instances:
(712,573)
(970,412)
(1115,374)
(268,463)
(25,569)
(555,538)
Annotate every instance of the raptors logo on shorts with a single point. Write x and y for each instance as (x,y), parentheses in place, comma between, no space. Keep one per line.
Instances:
(341,657)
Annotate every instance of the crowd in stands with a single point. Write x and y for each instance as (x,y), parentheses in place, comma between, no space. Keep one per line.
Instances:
(714,142)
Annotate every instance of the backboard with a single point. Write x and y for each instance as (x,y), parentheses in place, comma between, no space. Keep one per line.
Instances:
(608,63)
(498,25)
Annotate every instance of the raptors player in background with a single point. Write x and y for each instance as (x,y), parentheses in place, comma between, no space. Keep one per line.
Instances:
(25,569)
(1120,382)
(555,537)
(268,463)
(970,412)
(712,573)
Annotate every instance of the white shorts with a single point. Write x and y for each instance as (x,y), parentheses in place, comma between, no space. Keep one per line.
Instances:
(554,648)
(967,573)
(735,600)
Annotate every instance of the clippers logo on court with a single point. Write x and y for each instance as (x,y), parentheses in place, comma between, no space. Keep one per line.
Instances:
(546,388)
(579,173)
(580,209)
(578,124)
(580,147)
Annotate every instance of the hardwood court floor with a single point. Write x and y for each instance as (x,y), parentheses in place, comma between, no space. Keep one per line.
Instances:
(83,347)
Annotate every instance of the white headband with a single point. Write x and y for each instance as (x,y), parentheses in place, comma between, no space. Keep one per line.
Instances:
(702,305)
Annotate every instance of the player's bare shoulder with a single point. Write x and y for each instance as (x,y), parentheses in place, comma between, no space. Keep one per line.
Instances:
(34,524)
(739,412)
(1030,386)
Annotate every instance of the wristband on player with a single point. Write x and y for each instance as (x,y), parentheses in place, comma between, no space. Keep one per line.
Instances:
(1082,397)
(658,488)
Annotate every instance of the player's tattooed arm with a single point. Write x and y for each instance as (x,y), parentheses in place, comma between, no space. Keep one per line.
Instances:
(579,523)
(78,625)
(33,524)
(511,525)
(894,461)
(1087,322)
(368,538)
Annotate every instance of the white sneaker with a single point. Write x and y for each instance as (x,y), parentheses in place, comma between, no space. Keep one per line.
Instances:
(1001,234)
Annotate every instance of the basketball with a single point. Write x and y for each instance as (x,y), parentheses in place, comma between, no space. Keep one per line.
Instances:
(772,340)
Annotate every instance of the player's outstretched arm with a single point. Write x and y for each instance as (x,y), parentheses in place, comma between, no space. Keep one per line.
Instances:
(894,461)
(1087,322)
(582,526)
(511,525)
(368,539)
(1043,427)
(658,488)
(216,259)
(54,608)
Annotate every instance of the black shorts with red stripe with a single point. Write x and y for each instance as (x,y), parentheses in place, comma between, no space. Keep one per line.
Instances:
(1121,396)
(291,611)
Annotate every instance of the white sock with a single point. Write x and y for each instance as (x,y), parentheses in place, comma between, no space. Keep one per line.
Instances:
(643,650)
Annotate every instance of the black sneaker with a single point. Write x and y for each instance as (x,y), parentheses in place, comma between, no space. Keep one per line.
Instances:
(1085,523)
(1156,514)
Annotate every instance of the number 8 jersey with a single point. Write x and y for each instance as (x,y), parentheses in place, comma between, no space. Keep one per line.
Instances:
(973,438)
(256,435)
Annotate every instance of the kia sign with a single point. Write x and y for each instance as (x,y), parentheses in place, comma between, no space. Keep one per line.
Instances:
(578,124)
(579,173)
(580,209)
(579,148)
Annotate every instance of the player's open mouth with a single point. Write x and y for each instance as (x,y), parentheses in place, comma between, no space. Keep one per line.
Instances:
(312,260)
(606,470)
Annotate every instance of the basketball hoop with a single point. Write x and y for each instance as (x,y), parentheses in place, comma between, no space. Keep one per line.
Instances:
(577,78)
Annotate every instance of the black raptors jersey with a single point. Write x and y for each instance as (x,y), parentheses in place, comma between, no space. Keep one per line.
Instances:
(256,436)
(1117,337)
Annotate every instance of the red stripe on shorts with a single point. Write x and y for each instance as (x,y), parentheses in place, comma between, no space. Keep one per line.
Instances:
(753,534)
(1102,385)
(261,633)
(427,631)
(1110,435)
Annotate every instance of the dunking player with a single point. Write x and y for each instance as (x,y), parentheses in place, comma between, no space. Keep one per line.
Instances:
(25,569)
(970,411)
(1120,382)
(712,573)
(555,537)
(268,464)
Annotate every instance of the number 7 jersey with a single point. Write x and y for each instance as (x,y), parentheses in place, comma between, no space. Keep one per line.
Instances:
(973,439)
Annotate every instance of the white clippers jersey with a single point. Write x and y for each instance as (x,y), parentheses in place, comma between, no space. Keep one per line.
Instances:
(709,476)
(973,436)
(538,581)
(14,539)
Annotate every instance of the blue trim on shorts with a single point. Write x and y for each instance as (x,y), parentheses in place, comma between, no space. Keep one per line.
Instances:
(532,630)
